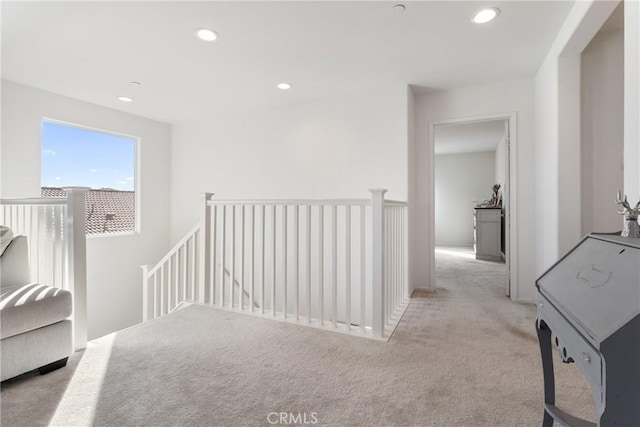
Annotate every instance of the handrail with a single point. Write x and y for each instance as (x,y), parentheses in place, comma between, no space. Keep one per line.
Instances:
(293,202)
(394,202)
(35,201)
(174,249)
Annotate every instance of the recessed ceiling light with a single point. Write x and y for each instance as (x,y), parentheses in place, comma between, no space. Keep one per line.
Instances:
(284,86)
(485,15)
(207,35)
(125,99)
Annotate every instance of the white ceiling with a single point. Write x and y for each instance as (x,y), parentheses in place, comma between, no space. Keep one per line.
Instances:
(468,137)
(93,50)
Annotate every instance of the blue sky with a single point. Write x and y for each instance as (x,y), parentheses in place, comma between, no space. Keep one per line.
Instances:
(73,156)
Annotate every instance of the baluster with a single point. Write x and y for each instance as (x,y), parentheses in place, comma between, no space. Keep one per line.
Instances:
(296,262)
(223,250)
(334,265)
(321,264)
(145,292)
(253,256)
(184,271)
(389,251)
(212,263)
(61,242)
(170,284)
(39,231)
(155,294)
(19,228)
(308,264)
(363,268)
(273,266)
(194,259)
(232,275)
(398,259)
(241,290)
(284,259)
(264,236)
(347,269)
(403,255)
(57,252)
(35,241)
(389,284)
(162,290)
(63,247)
(394,262)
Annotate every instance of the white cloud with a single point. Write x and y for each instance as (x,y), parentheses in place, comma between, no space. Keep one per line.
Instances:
(58,178)
(93,170)
(122,182)
(48,152)
(129,178)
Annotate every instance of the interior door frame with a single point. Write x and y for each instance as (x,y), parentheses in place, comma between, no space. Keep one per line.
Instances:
(511,241)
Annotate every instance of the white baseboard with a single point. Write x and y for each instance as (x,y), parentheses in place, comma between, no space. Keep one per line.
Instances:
(422,289)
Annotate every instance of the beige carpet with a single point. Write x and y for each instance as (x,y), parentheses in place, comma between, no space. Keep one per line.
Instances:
(462,356)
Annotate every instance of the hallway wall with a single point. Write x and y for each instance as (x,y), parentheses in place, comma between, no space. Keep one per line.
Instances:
(460,178)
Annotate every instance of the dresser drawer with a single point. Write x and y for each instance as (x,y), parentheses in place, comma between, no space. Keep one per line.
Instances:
(490,215)
(571,344)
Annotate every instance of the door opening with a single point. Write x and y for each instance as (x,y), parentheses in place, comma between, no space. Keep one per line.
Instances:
(471,201)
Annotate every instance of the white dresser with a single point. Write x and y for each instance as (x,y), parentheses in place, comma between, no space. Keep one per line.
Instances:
(486,233)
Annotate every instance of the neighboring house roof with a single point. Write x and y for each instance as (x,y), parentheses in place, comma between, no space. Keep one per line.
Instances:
(107,210)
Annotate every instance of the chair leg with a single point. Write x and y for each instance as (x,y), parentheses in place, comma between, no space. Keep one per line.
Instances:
(53,366)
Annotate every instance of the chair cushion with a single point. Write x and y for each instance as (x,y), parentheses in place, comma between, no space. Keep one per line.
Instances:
(14,264)
(32,306)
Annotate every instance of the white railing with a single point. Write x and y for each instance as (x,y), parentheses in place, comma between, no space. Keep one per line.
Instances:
(174,279)
(55,230)
(336,264)
(395,260)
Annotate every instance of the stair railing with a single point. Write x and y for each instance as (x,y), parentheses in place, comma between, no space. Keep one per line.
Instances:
(337,264)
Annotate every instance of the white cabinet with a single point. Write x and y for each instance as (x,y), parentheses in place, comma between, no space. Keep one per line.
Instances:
(486,233)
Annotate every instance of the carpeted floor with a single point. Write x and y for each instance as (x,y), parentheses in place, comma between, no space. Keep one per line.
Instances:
(461,356)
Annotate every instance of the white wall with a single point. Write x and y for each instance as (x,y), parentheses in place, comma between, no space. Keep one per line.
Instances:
(557,133)
(502,98)
(460,179)
(632,98)
(113,273)
(337,149)
(602,125)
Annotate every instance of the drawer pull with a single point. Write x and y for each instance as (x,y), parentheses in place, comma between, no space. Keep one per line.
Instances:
(540,304)
(586,357)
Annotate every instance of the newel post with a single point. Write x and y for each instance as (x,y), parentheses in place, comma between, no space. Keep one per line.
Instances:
(77,244)
(204,252)
(377,289)
(145,292)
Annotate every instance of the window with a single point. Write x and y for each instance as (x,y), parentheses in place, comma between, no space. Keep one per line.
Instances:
(73,156)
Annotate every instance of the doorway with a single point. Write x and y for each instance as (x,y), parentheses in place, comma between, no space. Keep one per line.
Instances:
(471,201)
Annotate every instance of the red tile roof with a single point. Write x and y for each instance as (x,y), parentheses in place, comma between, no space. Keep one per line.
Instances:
(108,210)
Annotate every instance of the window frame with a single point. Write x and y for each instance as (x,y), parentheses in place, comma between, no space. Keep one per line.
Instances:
(137,227)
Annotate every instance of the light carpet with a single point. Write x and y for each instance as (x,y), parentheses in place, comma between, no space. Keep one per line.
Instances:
(461,356)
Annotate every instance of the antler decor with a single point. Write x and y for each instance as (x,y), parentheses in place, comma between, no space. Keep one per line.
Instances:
(631,228)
